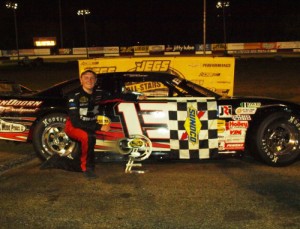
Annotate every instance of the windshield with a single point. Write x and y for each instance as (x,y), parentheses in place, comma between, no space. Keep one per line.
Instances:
(10,88)
(188,88)
(201,89)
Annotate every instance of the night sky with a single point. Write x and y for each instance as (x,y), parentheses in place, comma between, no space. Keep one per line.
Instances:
(127,22)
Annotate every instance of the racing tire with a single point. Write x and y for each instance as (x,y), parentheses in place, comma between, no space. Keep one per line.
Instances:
(275,140)
(49,137)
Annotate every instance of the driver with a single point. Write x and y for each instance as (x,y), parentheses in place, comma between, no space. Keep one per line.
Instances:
(81,124)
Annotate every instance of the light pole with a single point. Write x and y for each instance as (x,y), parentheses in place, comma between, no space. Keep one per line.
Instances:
(223,5)
(60,24)
(83,13)
(204,27)
(14,7)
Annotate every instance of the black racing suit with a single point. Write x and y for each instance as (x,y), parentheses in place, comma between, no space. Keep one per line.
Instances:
(81,123)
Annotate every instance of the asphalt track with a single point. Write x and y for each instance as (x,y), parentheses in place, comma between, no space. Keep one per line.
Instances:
(210,194)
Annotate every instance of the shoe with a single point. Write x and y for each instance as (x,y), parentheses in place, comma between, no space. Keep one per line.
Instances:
(90,174)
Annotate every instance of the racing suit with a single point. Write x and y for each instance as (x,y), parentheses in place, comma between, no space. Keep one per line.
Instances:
(81,125)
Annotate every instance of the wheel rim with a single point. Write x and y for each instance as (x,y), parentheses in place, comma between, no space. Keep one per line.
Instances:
(281,139)
(56,141)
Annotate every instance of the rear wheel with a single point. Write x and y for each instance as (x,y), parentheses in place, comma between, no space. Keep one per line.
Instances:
(276,139)
(49,137)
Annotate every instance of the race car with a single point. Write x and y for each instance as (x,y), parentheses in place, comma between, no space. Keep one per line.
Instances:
(178,120)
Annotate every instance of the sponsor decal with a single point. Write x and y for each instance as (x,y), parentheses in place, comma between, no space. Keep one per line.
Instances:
(105,69)
(192,125)
(245,110)
(19,106)
(216,65)
(250,104)
(20,103)
(103,120)
(11,127)
(136,143)
(241,117)
(144,48)
(147,86)
(111,49)
(225,111)
(156,48)
(153,65)
(235,132)
(180,48)
(238,124)
(83,99)
(51,120)
(294,120)
(83,63)
(19,110)
(235,138)
(221,125)
(126,49)
(234,146)
(209,74)
(224,82)
(271,155)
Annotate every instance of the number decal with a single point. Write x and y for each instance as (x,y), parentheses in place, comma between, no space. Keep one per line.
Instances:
(150,119)
(131,118)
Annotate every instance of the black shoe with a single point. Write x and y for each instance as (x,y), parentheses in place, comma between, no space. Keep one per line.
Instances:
(90,174)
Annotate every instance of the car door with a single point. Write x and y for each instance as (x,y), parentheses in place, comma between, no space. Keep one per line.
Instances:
(180,126)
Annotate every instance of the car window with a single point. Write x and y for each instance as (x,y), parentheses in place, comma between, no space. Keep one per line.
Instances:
(4,87)
(10,88)
(148,88)
(70,87)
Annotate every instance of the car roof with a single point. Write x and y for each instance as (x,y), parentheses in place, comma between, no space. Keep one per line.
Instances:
(143,75)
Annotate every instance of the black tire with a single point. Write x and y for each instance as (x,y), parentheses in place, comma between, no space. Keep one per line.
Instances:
(49,137)
(275,140)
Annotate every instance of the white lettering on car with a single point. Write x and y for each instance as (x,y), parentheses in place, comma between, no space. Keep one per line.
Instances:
(153,120)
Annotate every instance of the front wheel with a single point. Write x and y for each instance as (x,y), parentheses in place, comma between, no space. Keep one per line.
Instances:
(276,139)
(49,137)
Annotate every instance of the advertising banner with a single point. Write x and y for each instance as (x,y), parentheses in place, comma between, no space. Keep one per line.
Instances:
(126,50)
(288,45)
(214,73)
(42,51)
(65,51)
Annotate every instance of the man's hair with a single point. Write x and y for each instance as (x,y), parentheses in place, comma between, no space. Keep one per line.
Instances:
(88,71)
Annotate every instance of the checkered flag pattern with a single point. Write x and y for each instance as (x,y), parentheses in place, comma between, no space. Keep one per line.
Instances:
(184,143)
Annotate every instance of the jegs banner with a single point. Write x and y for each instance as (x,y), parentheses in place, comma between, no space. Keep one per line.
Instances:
(214,73)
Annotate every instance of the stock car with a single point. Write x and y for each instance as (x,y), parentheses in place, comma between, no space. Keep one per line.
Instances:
(178,120)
